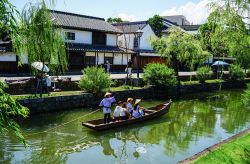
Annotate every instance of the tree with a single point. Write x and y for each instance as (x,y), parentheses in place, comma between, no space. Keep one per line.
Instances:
(7,17)
(38,37)
(180,47)
(226,34)
(115,20)
(10,110)
(156,23)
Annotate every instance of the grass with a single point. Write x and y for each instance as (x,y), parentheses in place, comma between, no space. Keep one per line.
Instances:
(68,93)
(123,88)
(197,82)
(236,151)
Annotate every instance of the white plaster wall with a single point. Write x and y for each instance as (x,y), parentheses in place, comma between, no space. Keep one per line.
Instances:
(10,56)
(145,39)
(24,59)
(129,41)
(111,40)
(90,54)
(144,42)
(150,54)
(126,58)
(118,59)
(80,36)
(100,58)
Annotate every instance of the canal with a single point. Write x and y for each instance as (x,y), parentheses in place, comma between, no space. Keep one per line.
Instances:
(192,124)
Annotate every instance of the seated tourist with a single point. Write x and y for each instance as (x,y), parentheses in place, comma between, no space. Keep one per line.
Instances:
(138,110)
(130,106)
(124,112)
(117,111)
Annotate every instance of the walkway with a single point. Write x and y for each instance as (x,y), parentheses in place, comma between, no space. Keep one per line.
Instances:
(77,77)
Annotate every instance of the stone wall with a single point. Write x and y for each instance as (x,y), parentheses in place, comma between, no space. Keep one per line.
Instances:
(51,104)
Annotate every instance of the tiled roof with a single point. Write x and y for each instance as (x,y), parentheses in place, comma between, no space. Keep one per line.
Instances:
(177,19)
(82,22)
(130,27)
(190,27)
(91,48)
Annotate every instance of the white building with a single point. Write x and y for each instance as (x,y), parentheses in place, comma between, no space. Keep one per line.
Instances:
(89,41)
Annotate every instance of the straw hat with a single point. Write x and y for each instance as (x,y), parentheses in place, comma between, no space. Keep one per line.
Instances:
(130,99)
(137,101)
(107,94)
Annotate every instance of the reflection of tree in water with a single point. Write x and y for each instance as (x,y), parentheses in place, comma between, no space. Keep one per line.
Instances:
(234,114)
(188,121)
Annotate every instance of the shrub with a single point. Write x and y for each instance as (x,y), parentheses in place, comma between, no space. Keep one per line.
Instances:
(236,72)
(203,74)
(159,75)
(246,95)
(95,80)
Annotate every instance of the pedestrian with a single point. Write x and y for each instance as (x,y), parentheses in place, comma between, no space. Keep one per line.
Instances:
(129,66)
(106,105)
(107,66)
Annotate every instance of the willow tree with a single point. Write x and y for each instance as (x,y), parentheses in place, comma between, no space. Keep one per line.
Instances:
(180,48)
(226,34)
(39,39)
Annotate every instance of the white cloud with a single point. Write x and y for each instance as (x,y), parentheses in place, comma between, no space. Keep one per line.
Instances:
(127,17)
(195,13)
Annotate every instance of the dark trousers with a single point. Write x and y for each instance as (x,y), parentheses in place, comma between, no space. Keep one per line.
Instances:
(106,118)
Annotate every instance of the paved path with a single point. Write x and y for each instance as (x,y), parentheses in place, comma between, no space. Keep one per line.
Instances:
(77,77)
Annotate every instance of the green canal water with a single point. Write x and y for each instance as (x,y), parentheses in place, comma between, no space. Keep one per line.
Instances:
(193,124)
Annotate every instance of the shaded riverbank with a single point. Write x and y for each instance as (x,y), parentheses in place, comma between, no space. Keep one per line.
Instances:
(83,100)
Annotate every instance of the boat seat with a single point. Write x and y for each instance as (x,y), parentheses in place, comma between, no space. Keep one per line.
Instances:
(151,111)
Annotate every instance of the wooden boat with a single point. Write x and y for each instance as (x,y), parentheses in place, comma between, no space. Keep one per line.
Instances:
(150,113)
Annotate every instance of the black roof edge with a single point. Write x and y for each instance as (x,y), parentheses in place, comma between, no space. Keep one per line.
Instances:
(79,15)
(169,21)
(129,23)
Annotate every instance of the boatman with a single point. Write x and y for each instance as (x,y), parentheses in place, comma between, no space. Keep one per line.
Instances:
(106,105)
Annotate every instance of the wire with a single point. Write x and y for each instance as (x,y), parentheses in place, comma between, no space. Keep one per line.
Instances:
(46,131)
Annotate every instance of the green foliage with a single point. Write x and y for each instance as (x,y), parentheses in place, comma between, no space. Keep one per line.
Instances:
(10,110)
(37,37)
(156,23)
(159,75)
(203,74)
(95,80)
(226,34)
(236,72)
(7,17)
(180,47)
(115,20)
(246,95)
(235,151)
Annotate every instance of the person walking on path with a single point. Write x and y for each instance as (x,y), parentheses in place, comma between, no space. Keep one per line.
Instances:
(129,67)
(107,66)
(106,105)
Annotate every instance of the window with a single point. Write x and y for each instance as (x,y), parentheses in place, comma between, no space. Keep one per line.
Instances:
(90,60)
(69,36)
(110,59)
(135,42)
(99,38)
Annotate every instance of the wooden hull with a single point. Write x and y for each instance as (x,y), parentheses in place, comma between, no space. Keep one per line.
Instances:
(151,113)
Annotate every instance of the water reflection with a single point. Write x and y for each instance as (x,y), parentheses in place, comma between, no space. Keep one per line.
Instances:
(190,126)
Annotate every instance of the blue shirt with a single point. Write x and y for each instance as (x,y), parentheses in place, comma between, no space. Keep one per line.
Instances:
(106,104)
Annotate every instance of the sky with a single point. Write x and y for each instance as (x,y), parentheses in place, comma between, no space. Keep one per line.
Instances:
(196,11)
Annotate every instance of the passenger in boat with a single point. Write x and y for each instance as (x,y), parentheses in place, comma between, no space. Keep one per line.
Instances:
(138,110)
(130,106)
(118,110)
(106,104)
(124,112)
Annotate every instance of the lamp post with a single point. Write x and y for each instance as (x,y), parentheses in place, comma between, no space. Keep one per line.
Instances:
(138,35)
